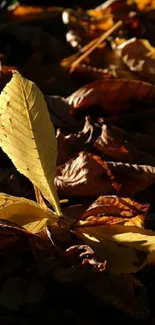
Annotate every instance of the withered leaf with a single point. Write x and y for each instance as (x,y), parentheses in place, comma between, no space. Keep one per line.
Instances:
(82,176)
(112,210)
(89,175)
(139,56)
(71,144)
(112,95)
(51,259)
(142,142)
(112,142)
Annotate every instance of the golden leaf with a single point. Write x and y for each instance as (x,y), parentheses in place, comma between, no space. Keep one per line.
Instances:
(25,213)
(126,249)
(27,135)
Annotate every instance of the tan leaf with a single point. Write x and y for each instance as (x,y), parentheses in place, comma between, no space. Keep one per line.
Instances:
(27,135)
(25,213)
(126,249)
(112,210)
(111,95)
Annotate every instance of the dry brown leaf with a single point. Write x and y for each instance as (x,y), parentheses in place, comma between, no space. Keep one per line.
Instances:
(142,142)
(112,95)
(89,175)
(83,176)
(113,143)
(139,56)
(70,145)
(112,210)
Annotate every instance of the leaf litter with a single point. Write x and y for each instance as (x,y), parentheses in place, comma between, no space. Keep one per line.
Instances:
(77,135)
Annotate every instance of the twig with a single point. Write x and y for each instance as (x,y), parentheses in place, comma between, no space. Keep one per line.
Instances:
(97,43)
(39,198)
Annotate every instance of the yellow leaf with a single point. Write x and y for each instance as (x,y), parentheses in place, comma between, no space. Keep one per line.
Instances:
(25,212)
(27,135)
(126,249)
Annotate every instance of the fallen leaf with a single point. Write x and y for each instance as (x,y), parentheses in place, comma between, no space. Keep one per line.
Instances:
(139,56)
(82,176)
(142,142)
(115,145)
(71,144)
(51,259)
(126,249)
(89,175)
(112,210)
(112,95)
(34,125)
(24,212)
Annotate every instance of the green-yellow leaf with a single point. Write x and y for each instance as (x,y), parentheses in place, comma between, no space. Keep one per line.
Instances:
(25,213)
(27,135)
(126,249)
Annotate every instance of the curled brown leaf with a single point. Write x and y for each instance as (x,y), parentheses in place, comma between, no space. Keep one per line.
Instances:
(111,210)
(89,175)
